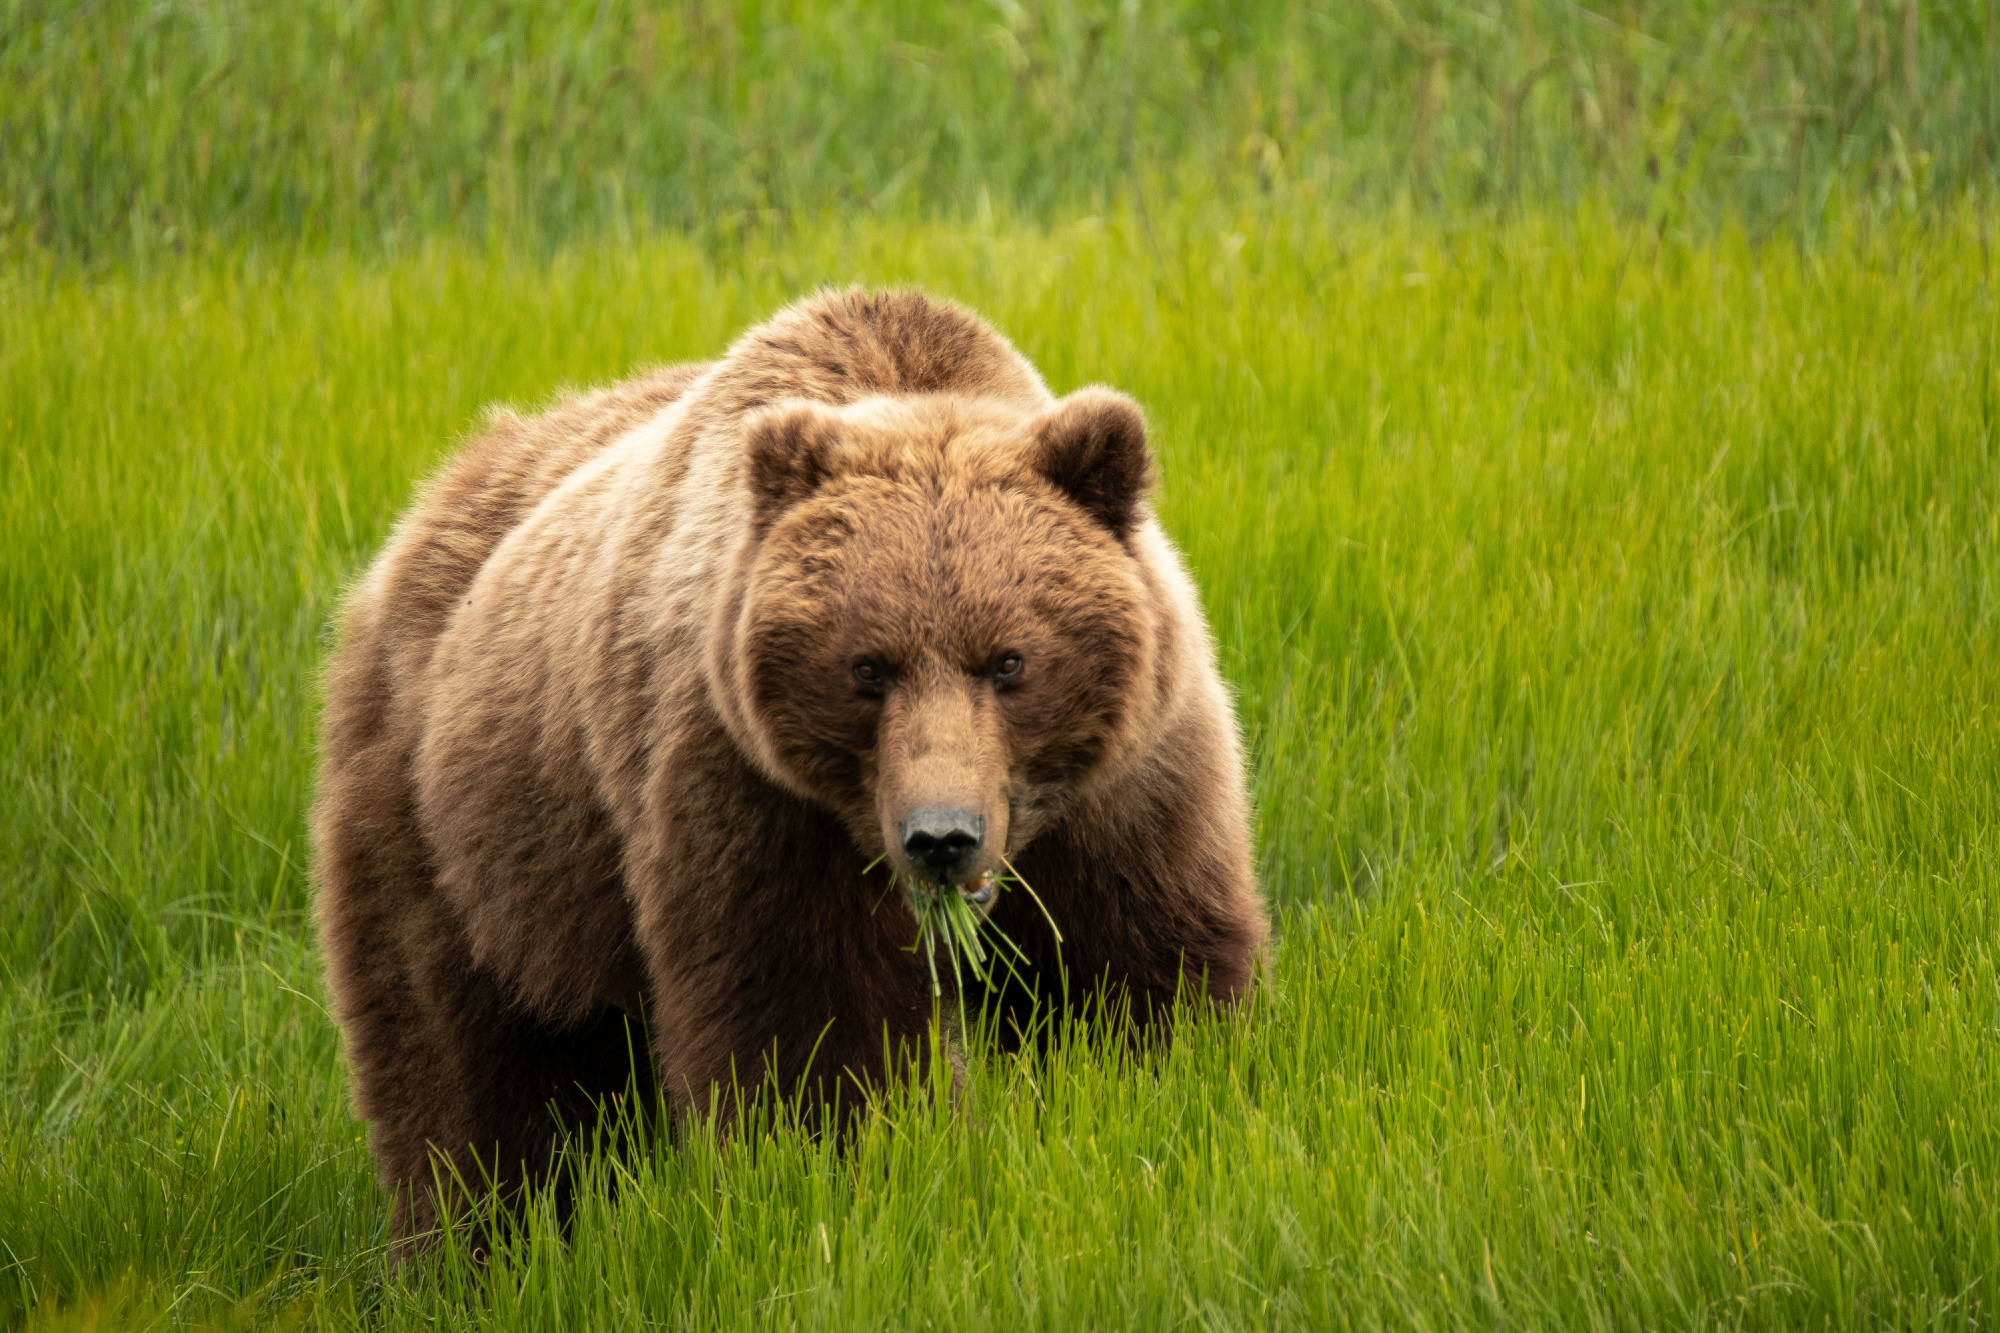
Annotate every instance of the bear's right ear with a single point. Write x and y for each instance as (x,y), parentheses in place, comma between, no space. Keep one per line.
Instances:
(790,455)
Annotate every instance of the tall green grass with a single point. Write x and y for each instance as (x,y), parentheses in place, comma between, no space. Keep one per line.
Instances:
(135,126)
(1614,618)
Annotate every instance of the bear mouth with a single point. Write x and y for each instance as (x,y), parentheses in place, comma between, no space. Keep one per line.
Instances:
(979,892)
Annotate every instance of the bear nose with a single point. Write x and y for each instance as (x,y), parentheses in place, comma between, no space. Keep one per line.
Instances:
(943,841)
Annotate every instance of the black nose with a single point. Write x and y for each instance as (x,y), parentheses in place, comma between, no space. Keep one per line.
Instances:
(943,842)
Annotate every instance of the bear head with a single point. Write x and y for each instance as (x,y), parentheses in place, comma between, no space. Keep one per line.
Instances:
(940,626)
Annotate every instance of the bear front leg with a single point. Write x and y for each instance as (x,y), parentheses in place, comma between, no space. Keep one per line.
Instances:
(494,1095)
(775,964)
(463,1087)
(1156,900)
(1132,944)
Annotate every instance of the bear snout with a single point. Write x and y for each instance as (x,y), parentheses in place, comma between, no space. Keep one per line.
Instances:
(943,842)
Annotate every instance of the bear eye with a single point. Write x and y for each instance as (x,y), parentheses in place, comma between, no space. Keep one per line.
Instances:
(868,673)
(1008,667)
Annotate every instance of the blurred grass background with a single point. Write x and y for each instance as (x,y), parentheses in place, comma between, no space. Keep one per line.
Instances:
(1581,421)
(134,125)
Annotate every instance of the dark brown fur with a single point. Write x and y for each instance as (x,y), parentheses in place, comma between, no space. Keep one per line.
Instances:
(594,741)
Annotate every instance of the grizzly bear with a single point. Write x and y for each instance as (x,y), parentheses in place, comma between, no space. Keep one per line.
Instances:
(648,698)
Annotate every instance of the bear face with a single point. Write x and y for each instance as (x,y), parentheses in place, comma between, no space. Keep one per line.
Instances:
(938,627)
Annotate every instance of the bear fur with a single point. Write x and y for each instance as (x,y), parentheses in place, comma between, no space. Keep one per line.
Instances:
(598,743)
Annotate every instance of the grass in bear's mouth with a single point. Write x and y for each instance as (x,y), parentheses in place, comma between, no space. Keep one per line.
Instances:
(947,920)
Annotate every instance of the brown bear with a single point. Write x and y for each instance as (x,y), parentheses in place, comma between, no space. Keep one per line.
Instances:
(648,697)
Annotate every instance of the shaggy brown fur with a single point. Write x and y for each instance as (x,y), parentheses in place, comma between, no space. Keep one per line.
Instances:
(598,735)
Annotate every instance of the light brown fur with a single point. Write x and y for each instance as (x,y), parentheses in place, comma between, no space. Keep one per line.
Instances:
(594,738)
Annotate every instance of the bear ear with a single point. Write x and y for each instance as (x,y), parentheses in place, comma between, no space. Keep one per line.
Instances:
(1092,445)
(790,455)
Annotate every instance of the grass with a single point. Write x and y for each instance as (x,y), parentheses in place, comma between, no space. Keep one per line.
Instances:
(949,925)
(147,128)
(1613,614)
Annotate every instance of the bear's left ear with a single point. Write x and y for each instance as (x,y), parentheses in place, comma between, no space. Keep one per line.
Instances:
(1092,445)
(790,455)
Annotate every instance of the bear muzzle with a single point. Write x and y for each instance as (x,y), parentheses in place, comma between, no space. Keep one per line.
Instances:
(941,783)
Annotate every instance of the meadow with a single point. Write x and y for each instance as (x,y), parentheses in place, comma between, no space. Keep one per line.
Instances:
(151,127)
(1613,619)
(1585,431)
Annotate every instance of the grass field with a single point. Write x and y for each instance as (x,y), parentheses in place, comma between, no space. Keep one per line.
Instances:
(1615,619)
(153,127)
